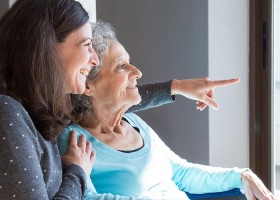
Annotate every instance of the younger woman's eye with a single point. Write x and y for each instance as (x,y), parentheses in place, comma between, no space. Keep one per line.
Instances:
(88,44)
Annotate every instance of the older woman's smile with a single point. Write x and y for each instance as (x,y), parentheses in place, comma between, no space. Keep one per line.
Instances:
(132,87)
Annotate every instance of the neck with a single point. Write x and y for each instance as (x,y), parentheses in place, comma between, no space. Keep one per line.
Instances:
(106,124)
(104,119)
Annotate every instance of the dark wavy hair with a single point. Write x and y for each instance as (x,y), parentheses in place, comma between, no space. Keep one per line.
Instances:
(103,34)
(31,70)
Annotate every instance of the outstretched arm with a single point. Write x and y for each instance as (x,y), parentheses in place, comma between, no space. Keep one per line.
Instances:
(200,89)
(160,93)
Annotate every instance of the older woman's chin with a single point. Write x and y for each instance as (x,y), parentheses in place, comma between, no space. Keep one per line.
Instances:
(137,101)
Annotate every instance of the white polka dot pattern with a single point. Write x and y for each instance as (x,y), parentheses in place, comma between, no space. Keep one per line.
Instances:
(30,165)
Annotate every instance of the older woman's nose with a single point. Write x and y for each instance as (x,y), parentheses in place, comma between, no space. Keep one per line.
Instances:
(137,73)
(140,74)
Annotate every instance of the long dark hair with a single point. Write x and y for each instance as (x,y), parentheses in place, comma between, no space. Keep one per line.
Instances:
(31,70)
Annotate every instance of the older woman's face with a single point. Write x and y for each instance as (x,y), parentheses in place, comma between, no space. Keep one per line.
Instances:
(117,79)
(78,57)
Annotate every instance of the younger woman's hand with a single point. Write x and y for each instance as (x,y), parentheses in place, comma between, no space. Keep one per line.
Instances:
(79,153)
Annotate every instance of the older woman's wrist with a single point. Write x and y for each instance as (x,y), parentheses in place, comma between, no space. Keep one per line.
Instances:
(175,87)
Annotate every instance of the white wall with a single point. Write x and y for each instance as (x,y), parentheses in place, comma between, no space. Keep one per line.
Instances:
(90,6)
(228,58)
(11,2)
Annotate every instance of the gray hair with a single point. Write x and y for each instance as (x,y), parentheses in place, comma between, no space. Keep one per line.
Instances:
(103,34)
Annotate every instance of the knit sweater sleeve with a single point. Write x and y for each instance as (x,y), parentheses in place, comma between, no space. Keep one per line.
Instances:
(154,95)
(30,166)
(73,184)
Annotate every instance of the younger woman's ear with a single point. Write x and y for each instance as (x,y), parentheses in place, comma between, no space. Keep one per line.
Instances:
(88,91)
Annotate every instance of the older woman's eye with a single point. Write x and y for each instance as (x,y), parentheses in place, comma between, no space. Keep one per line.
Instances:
(121,67)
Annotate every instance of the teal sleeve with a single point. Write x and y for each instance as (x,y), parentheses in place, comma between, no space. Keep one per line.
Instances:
(199,179)
(91,194)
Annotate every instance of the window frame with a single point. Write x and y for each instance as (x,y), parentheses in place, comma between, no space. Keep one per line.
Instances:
(260,67)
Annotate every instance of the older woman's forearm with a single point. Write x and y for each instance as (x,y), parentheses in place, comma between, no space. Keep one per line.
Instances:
(153,95)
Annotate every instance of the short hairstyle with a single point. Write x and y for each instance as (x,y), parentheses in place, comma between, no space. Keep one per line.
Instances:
(31,69)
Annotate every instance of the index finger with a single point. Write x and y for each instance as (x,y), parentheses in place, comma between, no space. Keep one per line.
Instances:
(223,83)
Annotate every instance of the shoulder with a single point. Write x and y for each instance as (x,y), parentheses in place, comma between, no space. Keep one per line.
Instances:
(7,103)
(14,119)
(135,119)
(12,109)
(132,116)
(66,131)
(145,128)
(63,137)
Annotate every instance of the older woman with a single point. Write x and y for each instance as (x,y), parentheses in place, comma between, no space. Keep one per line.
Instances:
(131,160)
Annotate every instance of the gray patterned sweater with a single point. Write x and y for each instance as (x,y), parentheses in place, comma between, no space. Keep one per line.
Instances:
(30,166)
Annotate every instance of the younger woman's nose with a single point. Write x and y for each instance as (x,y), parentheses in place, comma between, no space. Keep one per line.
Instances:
(94,60)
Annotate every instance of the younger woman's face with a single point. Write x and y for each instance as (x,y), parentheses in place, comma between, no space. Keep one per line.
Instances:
(78,58)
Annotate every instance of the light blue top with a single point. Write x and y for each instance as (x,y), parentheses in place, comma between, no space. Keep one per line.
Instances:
(153,172)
